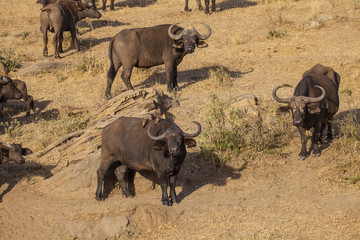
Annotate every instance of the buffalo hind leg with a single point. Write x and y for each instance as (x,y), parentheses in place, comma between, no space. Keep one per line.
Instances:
(114,68)
(213,6)
(120,173)
(112,5)
(56,42)
(45,40)
(126,75)
(105,163)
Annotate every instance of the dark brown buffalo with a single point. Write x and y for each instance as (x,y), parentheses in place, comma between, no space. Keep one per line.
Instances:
(62,16)
(314,104)
(159,148)
(147,47)
(8,90)
(13,152)
(207,3)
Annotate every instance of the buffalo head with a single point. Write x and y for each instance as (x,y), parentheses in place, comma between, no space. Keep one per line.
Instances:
(14,152)
(188,38)
(8,89)
(174,140)
(300,105)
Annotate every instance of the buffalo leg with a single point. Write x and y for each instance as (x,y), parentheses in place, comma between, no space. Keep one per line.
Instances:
(56,42)
(199,5)
(120,173)
(45,40)
(302,132)
(1,110)
(101,172)
(114,68)
(61,38)
(171,72)
(130,180)
(315,139)
(186,8)
(103,5)
(213,6)
(172,189)
(164,182)
(74,38)
(207,2)
(126,75)
(329,133)
(112,5)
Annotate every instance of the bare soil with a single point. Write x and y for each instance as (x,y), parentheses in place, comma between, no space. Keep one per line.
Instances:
(274,197)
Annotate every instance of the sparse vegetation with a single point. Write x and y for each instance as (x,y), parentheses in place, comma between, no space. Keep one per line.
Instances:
(275,34)
(12,129)
(89,64)
(8,59)
(231,132)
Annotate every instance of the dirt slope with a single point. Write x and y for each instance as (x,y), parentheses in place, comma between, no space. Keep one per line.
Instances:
(275,197)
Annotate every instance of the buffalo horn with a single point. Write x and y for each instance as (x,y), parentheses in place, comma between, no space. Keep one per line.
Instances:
(6,145)
(188,135)
(173,36)
(156,138)
(282,100)
(315,99)
(205,36)
(4,80)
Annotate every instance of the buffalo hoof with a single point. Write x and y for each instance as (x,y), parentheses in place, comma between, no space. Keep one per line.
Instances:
(128,194)
(187,9)
(167,203)
(301,158)
(99,198)
(45,54)
(315,155)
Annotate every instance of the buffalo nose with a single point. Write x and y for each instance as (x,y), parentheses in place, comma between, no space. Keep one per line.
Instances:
(190,50)
(174,149)
(297,122)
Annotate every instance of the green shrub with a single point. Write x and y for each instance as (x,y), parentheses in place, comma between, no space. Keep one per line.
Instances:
(232,132)
(12,129)
(9,61)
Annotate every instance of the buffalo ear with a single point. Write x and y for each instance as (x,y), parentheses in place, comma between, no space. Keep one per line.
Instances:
(313,109)
(178,45)
(202,44)
(283,110)
(25,151)
(189,142)
(160,145)
(79,6)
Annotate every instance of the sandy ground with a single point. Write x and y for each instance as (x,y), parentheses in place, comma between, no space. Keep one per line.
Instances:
(275,197)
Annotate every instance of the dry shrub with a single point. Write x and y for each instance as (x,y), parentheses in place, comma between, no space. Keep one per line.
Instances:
(232,132)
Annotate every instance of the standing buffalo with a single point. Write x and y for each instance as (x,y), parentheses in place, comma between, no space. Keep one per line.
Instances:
(13,152)
(147,47)
(207,3)
(159,148)
(8,90)
(314,104)
(62,16)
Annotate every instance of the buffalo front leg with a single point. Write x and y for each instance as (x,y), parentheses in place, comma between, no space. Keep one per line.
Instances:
(315,139)
(130,181)
(164,182)
(103,5)
(171,75)
(120,173)
(213,6)
(186,8)
(112,5)
(207,2)
(199,5)
(172,189)
(302,154)
(74,38)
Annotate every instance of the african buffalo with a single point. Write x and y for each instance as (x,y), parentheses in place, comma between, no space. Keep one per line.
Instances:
(62,16)
(159,148)
(13,152)
(147,47)
(8,90)
(207,3)
(314,104)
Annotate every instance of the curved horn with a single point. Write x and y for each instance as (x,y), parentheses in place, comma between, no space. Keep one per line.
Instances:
(156,138)
(188,135)
(281,100)
(316,99)
(173,36)
(205,36)
(6,145)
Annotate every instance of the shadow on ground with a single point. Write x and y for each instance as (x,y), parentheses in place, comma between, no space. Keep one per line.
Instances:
(229,4)
(12,173)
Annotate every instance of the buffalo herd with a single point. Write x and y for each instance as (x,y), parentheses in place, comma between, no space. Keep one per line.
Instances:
(129,144)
